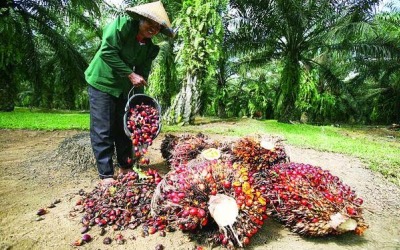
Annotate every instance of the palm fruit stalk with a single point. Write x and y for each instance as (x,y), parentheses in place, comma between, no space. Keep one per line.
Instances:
(259,152)
(210,189)
(311,201)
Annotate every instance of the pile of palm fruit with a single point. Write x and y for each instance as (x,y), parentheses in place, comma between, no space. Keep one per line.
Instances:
(230,187)
(256,173)
(126,204)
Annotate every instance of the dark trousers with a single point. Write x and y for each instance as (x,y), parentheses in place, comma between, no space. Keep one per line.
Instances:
(107,131)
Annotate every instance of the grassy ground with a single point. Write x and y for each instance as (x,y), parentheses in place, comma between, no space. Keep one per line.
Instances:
(377,146)
(23,118)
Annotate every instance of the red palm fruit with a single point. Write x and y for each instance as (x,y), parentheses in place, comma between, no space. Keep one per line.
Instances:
(246,241)
(86,237)
(226,184)
(152,230)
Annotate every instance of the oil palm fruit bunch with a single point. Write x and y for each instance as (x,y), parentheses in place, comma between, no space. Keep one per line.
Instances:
(311,201)
(211,189)
(259,152)
(179,150)
(124,204)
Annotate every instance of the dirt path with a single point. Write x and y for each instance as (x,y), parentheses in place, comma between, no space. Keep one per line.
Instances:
(24,188)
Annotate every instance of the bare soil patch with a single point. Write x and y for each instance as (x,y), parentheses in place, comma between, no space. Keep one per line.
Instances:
(34,175)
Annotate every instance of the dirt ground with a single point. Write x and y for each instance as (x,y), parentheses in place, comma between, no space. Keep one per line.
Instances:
(30,181)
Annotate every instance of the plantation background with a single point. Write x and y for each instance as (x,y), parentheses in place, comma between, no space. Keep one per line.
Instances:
(318,62)
(322,74)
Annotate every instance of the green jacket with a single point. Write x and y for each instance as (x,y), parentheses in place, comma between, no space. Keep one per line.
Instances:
(120,54)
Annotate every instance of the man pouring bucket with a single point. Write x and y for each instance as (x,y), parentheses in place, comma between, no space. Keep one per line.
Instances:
(122,62)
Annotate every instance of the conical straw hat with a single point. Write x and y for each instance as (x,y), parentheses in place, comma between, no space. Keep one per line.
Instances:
(156,12)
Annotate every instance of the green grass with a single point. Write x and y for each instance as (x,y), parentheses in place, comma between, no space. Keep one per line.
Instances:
(23,118)
(370,145)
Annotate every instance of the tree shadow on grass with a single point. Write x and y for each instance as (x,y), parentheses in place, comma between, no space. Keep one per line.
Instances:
(210,120)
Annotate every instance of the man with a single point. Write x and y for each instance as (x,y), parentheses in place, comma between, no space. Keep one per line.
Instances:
(122,62)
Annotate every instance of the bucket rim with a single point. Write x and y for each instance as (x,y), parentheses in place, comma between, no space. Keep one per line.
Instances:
(127,108)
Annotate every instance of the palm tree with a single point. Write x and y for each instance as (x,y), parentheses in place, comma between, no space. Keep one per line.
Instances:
(380,97)
(163,80)
(32,35)
(201,33)
(296,31)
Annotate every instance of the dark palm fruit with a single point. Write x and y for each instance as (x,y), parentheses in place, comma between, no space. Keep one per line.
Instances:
(41,211)
(107,241)
(311,201)
(159,247)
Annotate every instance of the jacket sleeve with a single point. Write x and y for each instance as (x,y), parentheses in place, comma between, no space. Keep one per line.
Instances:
(113,36)
(144,69)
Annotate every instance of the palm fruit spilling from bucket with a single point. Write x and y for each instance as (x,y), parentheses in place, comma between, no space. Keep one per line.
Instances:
(179,150)
(143,123)
(311,201)
(124,204)
(210,189)
(259,152)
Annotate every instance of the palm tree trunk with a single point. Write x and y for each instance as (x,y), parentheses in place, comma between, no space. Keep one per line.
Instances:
(8,90)
(186,104)
(290,85)
(221,112)
(221,85)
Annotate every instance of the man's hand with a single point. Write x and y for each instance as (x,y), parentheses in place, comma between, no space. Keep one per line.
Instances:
(137,80)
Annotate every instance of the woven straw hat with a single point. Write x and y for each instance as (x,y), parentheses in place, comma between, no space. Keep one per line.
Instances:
(154,11)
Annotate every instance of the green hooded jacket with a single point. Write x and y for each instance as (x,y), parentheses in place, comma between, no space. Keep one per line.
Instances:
(120,54)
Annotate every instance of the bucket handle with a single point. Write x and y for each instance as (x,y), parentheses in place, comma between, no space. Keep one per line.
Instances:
(129,97)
